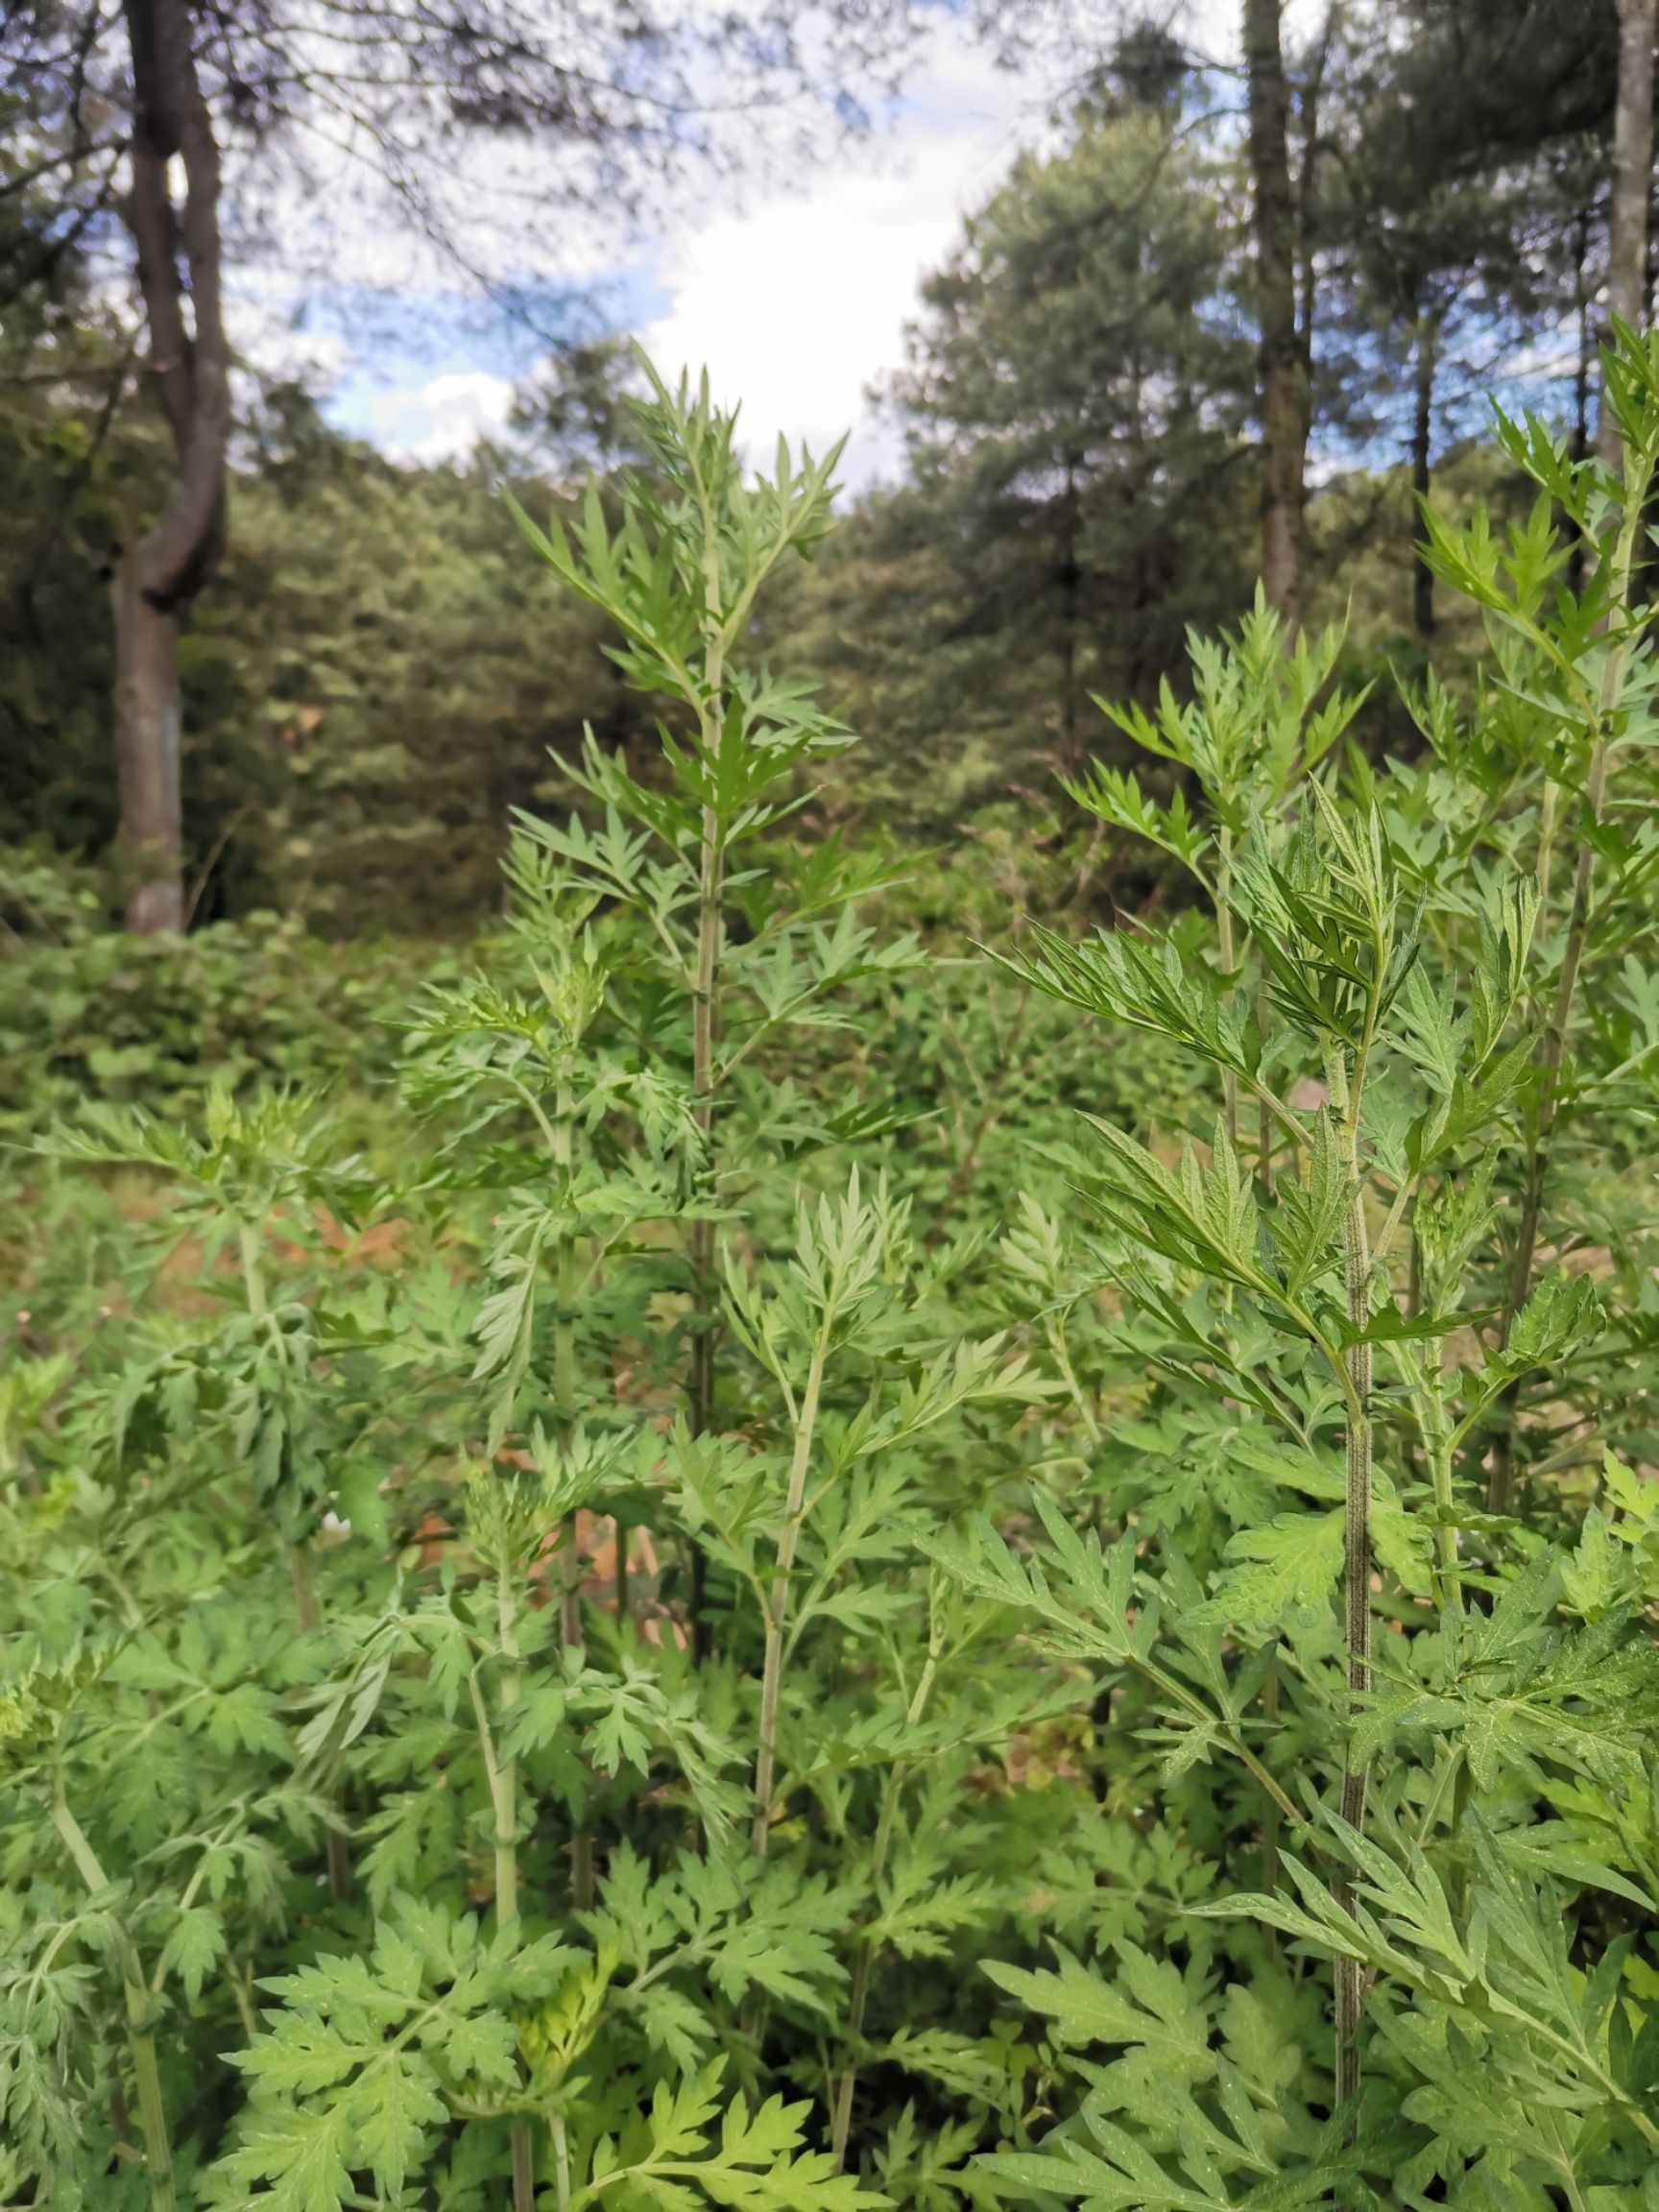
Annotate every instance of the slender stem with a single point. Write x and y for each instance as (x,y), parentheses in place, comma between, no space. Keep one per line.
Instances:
(152,2111)
(561,2163)
(303,1589)
(1447,1575)
(1356,1547)
(565,1322)
(506,1774)
(502,1777)
(1054,1330)
(1430,1812)
(141,2038)
(524,2149)
(1546,817)
(794,1515)
(841,2125)
(581,1890)
(75,1841)
(1224,936)
(253,1271)
(1270,1817)
(308,1615)
(704,1032)
(1264,1111)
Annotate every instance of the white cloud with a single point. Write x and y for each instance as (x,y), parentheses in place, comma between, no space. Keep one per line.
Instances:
(441,419)
(794,305)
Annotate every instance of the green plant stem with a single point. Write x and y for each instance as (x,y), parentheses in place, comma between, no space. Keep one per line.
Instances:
(582,1890)
(841,2125)
(253,1271)
(1447,1575)
(1445,1779)
(1224,938)
(505,1782)
(140,2005)
(308,1615)
(700,1409)
(1054,1330)
(1356,1550)
(1270,1817)
(1171,1687)
(502,1777)
(303,1589)
(711,703)
(1501,1481)
(523,2153)
(561,2163)
(1264,1109)
(778,1604)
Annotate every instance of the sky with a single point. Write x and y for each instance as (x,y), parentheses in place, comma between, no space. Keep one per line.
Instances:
(795,300)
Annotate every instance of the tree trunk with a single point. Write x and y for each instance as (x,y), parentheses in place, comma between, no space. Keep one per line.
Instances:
(1283,370)
(1421,438)
(1312,92)
(1071,581)
(1632,184)
(178,255)
(1580,445)
(147,755)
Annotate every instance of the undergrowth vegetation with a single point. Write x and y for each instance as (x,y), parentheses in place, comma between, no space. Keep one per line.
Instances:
(762,1565)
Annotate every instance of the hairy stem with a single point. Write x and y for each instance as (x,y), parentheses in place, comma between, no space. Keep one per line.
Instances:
(778,1604)
(705,1035)
(505,1771)
(502,1774)
(700,1411)
(582,1892)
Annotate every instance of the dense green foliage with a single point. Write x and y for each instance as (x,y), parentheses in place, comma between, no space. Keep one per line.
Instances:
(694,1589)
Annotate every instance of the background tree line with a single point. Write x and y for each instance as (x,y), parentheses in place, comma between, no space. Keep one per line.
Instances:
(1224,325)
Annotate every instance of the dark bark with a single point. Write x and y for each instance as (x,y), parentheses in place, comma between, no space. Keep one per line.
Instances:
(147,721)
(1283,371)
(1312,93)
(1422,454)
(1632,184)
(179,277)
(1580,447)
(1071,582)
